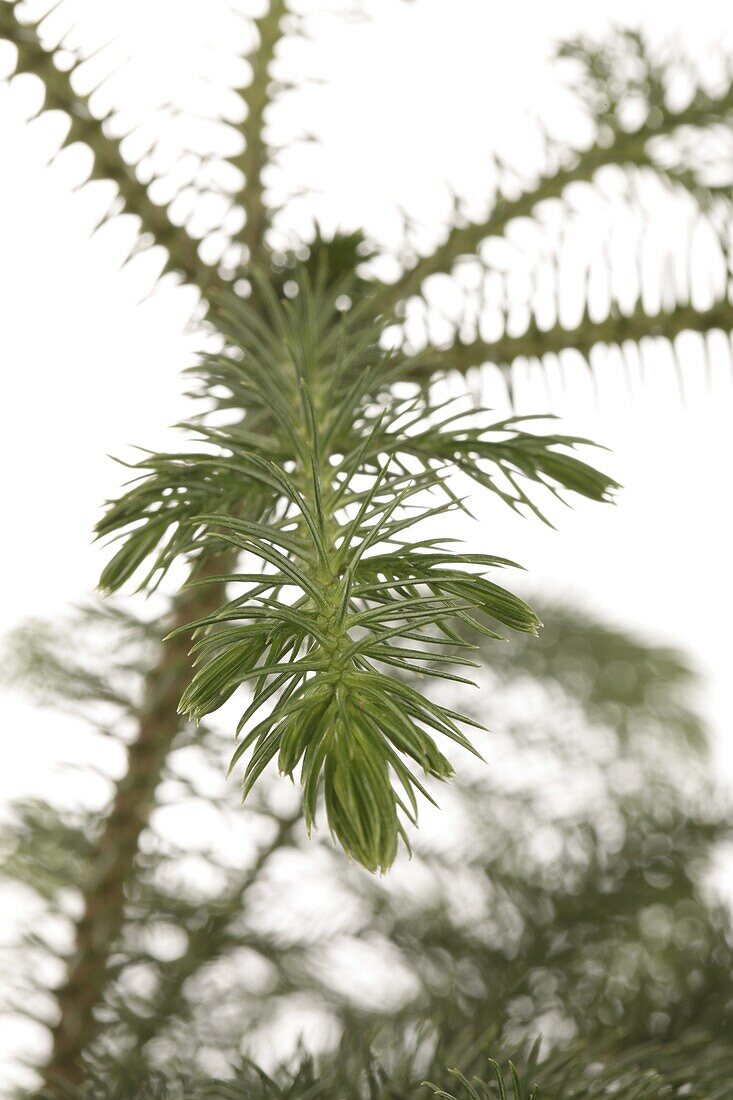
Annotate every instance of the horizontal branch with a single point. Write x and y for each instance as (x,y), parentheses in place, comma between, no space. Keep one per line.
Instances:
(627,148)
(614,331)
(108,160)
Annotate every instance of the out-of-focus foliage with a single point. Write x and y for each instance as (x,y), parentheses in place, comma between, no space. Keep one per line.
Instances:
(561,890)
(696,1070)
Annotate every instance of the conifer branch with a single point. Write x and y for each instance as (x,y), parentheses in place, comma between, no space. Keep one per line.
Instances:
(253,159)
(189,505)
(337,593)
(616,330)
(109,163)
(626,149)
(698,1067)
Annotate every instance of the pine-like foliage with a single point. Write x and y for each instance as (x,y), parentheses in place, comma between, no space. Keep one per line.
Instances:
(326,493)
(297,506)
(698,1069)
